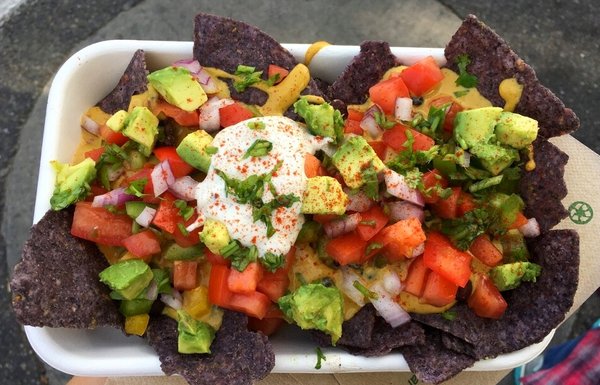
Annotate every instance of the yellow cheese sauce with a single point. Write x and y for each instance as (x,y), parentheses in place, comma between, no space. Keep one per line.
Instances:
(313,50)
(510,90)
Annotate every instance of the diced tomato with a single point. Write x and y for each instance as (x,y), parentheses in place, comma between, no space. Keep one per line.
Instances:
(431,179)
(218,289)
(190,238)
(216,259)
(98,225)
(273,285)
(182,117)
(465,203)
(178,166)
(443,258)
(94,154)
(324,218)
(277,70)
(312,166)
(485,250)
(352,127)
(379,147)
(95,189)
(355,114)
(234,113)
(268,326)
(143,244)
(347,248)
(455,108)
(385,93)
(422,76)
(438,291)
(485,300)
(111,136)
(447,208)
(167,216)
(185,275)
(245,281)
(254,304)
(396,137)
(417,276)
(521,220)
(372,221)
(401,238)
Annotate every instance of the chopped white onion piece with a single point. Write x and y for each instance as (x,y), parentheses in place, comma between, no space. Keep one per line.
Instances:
(342,226)
(465,160)
(184,188)
(152,291)
(358,201)
(196,224)
(348,279)
(397,186)
(173,300)
(392,283)
(90,125)
(400,210)
(162,177)
(369,124)
(209,119)
(403,110)
(146,216)
(389,309)
(114,197)
(530,229)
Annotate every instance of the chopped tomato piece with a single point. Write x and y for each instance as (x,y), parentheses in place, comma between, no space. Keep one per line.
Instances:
(218,289)
(422,76)
(167,216)
(182,117)
(254,304)
(372,221)
(417,276)
(324,218)
(143,244)
(216,259)
(521,220)
(385,93)
(111,136)
(396,137)
(178,166)
(431,179)
(355,115)
(379,147)
(268,326)
(234,113)
(273,285)
(447,208)
(455,108)
(443,258)
(401,238)
(438,291)
(465,203)
(277,70)
(245,281)
(98,225)
(312,166)
(189,238)
(485,250)
(185,275)
(486,300)
(94,154)
(347,248)
(352,127)
(145,173)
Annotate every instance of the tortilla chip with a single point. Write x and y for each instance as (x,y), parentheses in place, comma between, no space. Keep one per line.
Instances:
(56,283)
(534,309)
(225,43)
(356,332)
(134,81)
(238,355)
(365,69)
(458,345)
(432,362)
(386,338)
(492,61)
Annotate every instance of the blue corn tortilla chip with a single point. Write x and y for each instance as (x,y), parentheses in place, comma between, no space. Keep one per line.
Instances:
(133,81)
(56,282)
(386,338)
(356,332)
(239,357)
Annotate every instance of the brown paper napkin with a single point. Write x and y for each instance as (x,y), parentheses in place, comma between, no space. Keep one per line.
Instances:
(583,200)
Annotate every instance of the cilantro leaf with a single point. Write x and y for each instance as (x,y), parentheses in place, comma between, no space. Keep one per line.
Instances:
(320,356)
(247,77)
(364,291)
(382,120)
(256,125)
(463,231)
(465,79)
(371,182)
(263,213)
(137,187)
(239,256)
(449,315)
(259,148)
(272,261)
(185,211)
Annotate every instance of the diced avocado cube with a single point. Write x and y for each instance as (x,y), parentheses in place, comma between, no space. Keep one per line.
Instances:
(130,307)
(354,156)
(510,275)
(476,126)
(309,232)
(321,119)
(324,195)
(174,252)
(514,247)
(178,87)
(128,278)
(192,149)
(493,157)
(215,235)
(142,128)
(72,182)
(516,130)
(193,336)
(118,120)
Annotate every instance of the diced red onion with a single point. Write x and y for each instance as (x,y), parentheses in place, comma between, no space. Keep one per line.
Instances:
(389,309)
(146,216)
(369,124)
(114,197)
(348,279)
(209,113)
(342,226)
(184,188)
(392,283)
(206,81)
(152,291)
(530,229)
(401,210)
(418,250)
(403,110)
(397,186)
(173,300)
(162,177)
(358,201)
(90,125)
(191,65)
(113,175)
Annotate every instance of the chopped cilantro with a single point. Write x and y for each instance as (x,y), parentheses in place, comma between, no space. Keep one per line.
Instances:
(185,211)
(382,120)
(137,187)
(371,182)
(465,79)
(364,291)
(463,231)
(182,228)
(239,256)
(450,315)
(373,246)
(320,357)
(272,261)
(247,77)
(263,213)
(485,183)
(461,93)
(259,148)
(256,125)
(272,80)
(370,223)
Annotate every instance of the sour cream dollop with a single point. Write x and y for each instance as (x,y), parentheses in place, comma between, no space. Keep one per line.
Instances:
(291,142)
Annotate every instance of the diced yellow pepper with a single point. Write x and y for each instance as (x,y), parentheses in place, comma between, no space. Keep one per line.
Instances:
(137,324)
(170,312)
(195,301)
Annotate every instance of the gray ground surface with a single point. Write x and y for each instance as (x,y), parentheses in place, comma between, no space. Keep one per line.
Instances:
(559,40)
